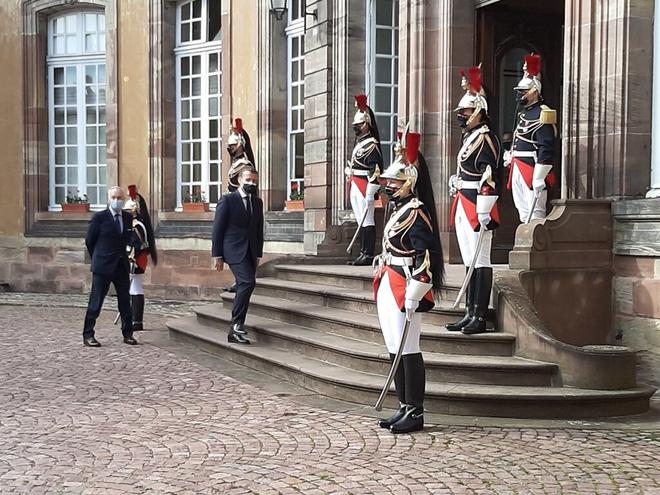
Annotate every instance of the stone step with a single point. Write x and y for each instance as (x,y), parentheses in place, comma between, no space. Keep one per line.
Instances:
(444,398)
(373,357)
(366,327)
(349,277)
(361,301)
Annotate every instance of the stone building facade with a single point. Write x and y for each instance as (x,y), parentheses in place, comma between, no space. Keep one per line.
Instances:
(102,92)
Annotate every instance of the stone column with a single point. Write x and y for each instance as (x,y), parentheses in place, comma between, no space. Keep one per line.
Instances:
(606,125)
(654,192)
(436,42)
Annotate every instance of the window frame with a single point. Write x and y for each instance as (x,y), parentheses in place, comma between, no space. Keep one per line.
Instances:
(80,60)
(371,84)
(203,49)
(295,29)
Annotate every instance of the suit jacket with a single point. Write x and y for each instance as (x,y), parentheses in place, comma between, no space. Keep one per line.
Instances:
(235,232)
(105,244)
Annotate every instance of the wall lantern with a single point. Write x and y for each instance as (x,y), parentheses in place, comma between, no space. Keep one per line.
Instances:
(278,8)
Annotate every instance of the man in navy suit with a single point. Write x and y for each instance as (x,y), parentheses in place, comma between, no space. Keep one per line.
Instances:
(238,240)
(107,236)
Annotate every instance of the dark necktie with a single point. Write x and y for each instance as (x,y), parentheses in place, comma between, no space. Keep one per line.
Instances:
(248,205)
(118,224)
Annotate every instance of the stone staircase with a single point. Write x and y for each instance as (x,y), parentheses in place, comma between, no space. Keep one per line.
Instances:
(316,326)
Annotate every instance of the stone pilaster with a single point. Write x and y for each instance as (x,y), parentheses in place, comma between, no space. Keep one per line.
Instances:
(606,125)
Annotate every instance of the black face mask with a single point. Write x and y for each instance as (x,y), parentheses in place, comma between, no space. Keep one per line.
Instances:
(357,129)
(249,188)
(390,192)
(462,120)
(521,97)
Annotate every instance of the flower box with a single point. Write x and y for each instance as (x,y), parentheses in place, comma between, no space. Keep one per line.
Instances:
(295,205)
(195,207)
(75,207)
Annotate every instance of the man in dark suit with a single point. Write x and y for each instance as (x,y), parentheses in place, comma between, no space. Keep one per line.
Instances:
(107,236)
(238,240)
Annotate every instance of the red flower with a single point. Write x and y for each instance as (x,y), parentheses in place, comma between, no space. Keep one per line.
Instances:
(294,186)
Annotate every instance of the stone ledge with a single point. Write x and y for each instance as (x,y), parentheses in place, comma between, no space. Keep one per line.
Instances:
(637,227)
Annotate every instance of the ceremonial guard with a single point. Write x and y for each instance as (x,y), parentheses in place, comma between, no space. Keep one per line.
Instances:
(363,171)
(532,153)
(240,152)
(475,190)
(409,268)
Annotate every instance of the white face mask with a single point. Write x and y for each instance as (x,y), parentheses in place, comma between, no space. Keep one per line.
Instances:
(117,204)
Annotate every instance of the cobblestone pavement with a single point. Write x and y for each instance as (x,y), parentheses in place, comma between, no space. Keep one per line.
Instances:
(125,419)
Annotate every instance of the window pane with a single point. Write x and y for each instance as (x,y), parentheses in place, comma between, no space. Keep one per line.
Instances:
(91,135)
(71,96)
(59,135)
(197,31)
(213,194)
(214,151)
(93,195)
(71,45)
(90,74)
(102,135)
(59,175)
(102,179)
(59,116)
(102,162)
(196,128)
(58,75)
(197,151)
(196,109)
(185,131)
(383,70)
(58,96)
(185,173)
(91,155)
(384,12)
(59,45)
(185,33)
(213,85)
(101,96)
(91,175)
(197,172)
(91,115)
(72,155)
(71,175)
(71,115)
(59,195)
(185,66)
(102,73)
(196,86)
(213,62)
(101,115)
(90,43)
(72,135)
(213,107)
(59,25)
(59,159)
(213,129)
(90,96)
(197,8)
(185,152)
(383,101)
(185,88)
(196,65)
(90,22)
(384,126)
(185,11)
(383,41)
(71,21)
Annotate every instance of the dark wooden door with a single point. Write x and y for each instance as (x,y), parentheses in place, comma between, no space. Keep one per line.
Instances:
(507,30)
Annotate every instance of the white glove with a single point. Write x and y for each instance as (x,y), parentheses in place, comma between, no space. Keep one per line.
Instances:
(507,157)
(453,185)
(370,201)
(484,218)
(411,306)
(348,170)
(538,185)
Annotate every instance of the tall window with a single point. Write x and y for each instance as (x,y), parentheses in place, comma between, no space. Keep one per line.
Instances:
(296,94)
(383,69)
(76,108)
(198,102)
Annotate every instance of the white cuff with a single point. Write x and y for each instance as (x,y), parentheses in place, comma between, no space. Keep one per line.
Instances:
(416,290)
(485,203)
(372,189)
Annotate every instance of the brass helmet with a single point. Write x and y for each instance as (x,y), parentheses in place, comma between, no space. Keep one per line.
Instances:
(404,165)
(475,96)
(236,134)
(363,114)
(532,74)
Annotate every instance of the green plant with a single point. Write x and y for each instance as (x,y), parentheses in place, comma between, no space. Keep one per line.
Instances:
(195,197)
(77,198)
(297,191)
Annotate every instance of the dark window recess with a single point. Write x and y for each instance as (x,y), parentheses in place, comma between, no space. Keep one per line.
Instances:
(215,20)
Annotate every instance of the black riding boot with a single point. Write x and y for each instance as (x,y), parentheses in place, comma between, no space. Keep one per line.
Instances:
(137,309)
(368,246)
(482,298)
(415,376)
(400,386)
(469,305)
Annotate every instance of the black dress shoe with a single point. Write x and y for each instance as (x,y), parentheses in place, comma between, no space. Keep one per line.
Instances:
(235,338)
(476,325)
(130,341)
(412,420)
(458,326)
(91,342)
(364,260)
(386,423)
(231,289)
(138,327)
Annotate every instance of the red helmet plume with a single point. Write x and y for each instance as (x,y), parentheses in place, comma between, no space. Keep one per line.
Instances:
(132,191)
(475,78)
(238,125)
(413,140)
(361,102)
(533,63)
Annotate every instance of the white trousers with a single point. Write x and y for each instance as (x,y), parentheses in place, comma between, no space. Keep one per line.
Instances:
(137,285)
(523,197)
(359,204)
(392,321)
(467,239)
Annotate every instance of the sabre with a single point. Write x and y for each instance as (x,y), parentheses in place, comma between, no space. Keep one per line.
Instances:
(480,239)
(531,209)
(395,366)
(541,171)
(364,217)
